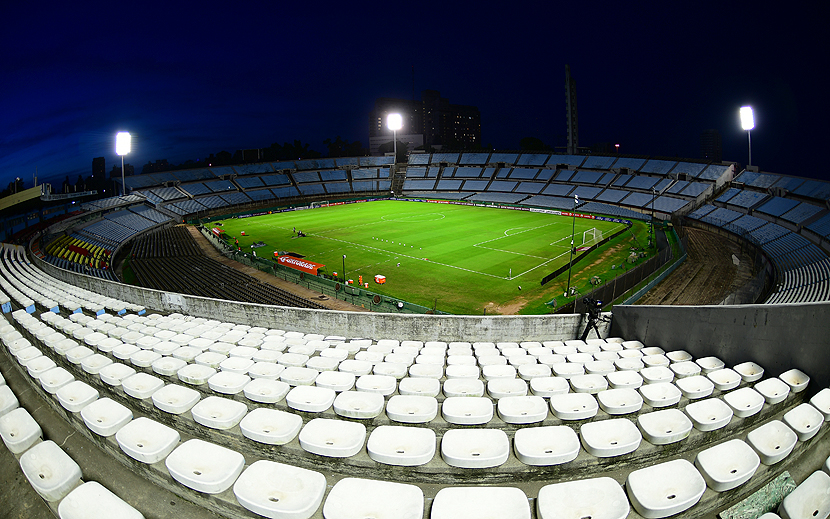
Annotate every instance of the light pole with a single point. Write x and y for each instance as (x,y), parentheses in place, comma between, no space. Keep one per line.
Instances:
(394,122)
(748,123)
(122,147)
(344,268)
(573,230)
(651,231)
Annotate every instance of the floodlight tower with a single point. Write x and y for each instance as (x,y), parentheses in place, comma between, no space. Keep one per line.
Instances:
(394,122)
(122,147)
(748,123)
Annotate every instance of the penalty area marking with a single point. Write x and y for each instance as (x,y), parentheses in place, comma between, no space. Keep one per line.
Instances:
(416,218)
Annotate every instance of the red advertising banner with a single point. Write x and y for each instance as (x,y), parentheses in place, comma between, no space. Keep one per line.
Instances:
(579,215)
(217,231)
(299,264)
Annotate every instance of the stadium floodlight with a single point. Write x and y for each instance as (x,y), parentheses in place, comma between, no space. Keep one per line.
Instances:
(344,268)
(122,147)
(573,230)
(748,123)
(394,122)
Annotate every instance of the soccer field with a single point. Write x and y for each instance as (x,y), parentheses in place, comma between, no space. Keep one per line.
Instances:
(463,259)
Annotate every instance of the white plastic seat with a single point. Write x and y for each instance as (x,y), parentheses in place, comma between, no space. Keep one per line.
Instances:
(352,498)
(522,409)
(660,395)
(54,379)
(419,386)
(567,370)
(599,367)
(805,420)
(210,359)
(175,399)
(491,372)
(358,404)
(94,363)
(620,401)
(809,500)
(462,371)
(228,382)
(332,438)
(204,467)
(549,386)
(383,384)
(282,491)
(19,430)
(311,399)
(195,374)
(727,465)
(106,416)
(270,426)
(467,410)
(491,360)
(50,471)
(505,387)
(356,367)
(548,445)
(92,500)
(266,391)
(749,371)
(665,489)
(624,379)
(595,497)
(724,379)
(609,438)
(402,446)
(76,395)
(744,402)
(773,389)
(796,379)
(336,380)
(695,387)
(463,387)
(141,385)
(574,406)
(710,414)
(579,358)
(665,426)
(27,354)
(592,384)
(655,360)
(821,401)
(475,448)
(483,502)
(124,351)
(709,364)
(435,371)
(685,369)
(218,412)
(656,374)
(168,366)
(337,354)
(412,408)
(39,365)
(678,356)
(773,441)
(77,354)
(144,358)
(266,356)
(239,365)
(389,369)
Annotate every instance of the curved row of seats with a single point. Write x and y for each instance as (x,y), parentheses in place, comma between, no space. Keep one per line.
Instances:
(334,437)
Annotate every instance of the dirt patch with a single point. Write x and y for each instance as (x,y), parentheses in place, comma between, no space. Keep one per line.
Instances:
(603,257)
(511,308)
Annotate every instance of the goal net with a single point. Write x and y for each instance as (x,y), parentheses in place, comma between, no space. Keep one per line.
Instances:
(591,237)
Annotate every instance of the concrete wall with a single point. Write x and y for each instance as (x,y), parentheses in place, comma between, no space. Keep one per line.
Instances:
(348,324)
(778,337)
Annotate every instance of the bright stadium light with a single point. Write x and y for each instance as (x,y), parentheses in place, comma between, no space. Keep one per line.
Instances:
(748,123)
(122,147)
(394,122)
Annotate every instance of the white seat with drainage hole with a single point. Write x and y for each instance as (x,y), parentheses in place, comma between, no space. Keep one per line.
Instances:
(631,354)
(599,367)
(402,446)
(492,360)
(210,359)
(658,360)
(419,386)
(336,354)
(322,364)
(204,466)
(491,372)
(531,371)
(123,351)
(467,410)
(239,365)
(665,489)
(805,420)
(19,430)
(821,401)
(744,402)
(709,364)
(336,380)
(356,367)
(55,379)
(595,497)
(270,426)
(195,374)
(95,363)
(522,409)
(725,379)
(311,399)
(685,369)
(749,371)
(463,387)
(39,365)
(609,438)
(620,401)
(92,500)
(218,413)
(809,500)
(332,438)
(266,391)
(710,414)
(574,406)
(727,465)
(461,360)
(796,379)
(580,358)
(695,387)
(50,471)
(28,354)
(77,354)
(353,498)
(175,399)
(108,344)
(358,404)
(568,370)
(76,395)
(475,448)
(389,369)
(412,408)
(678,356)
(298,376)
(143,358)
(592,384)
(773,389)
(652,350)
(656,374)
(106,416)
(168,366)
(141,385)
(505,387)
(480,502)
(426,371)
(383,384)
(660,395)
(267,370)
(462,371)
(228,382)
(281,491)
(624,379)
(665,426)
(773,441)
(549,386)
(547,445)
(266,356)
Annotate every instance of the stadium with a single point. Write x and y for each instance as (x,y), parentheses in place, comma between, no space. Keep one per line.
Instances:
(155,363)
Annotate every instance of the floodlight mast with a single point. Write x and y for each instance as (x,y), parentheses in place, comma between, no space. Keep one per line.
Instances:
(122,147)
(394,122)
(748,123)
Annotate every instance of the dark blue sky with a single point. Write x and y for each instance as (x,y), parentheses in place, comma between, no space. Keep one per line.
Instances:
(191,79)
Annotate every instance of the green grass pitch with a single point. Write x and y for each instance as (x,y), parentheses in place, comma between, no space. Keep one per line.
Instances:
(465,259)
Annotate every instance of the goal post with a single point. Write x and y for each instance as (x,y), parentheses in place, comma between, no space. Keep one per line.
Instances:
(591,236)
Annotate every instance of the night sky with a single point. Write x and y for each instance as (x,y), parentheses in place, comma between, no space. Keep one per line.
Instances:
(193,79)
